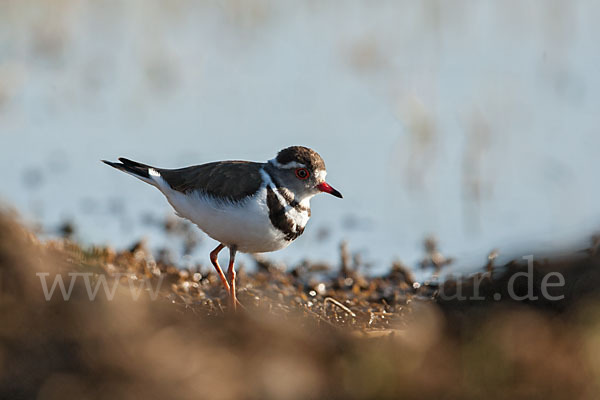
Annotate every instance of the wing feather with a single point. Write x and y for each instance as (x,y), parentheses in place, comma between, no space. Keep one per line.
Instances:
(233,180)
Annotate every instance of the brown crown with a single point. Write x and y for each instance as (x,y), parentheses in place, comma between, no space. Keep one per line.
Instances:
(303,155)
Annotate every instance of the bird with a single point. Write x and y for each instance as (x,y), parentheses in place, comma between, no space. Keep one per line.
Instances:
(247,207)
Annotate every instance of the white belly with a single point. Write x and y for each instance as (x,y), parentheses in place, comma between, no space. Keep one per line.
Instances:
(245,224)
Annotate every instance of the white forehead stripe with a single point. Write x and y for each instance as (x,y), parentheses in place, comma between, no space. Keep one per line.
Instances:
(321,174)
(291,164)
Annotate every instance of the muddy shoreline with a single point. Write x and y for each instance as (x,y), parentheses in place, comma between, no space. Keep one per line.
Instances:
(303,333)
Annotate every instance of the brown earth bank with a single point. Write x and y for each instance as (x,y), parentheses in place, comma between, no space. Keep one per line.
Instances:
(152,330)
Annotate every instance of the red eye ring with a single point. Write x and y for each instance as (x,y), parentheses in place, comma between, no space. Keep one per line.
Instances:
(302,173)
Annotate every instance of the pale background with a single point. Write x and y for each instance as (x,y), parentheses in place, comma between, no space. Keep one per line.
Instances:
(476,121)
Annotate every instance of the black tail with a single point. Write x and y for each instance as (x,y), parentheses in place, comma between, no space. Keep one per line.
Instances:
(131,167)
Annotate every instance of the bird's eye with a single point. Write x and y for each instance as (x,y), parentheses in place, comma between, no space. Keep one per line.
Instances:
(302,173)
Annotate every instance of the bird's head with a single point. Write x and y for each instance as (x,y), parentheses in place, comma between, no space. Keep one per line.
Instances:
(301,171)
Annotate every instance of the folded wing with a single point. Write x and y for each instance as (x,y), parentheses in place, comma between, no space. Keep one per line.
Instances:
(231,180)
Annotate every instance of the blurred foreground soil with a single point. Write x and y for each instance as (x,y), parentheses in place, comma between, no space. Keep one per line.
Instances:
(303,334)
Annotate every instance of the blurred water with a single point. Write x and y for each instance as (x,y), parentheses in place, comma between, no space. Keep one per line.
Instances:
(475,121)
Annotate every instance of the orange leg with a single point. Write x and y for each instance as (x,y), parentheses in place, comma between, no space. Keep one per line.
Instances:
(231,273)
(215,262)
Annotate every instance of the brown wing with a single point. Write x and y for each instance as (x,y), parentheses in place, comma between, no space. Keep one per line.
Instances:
(234,180)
